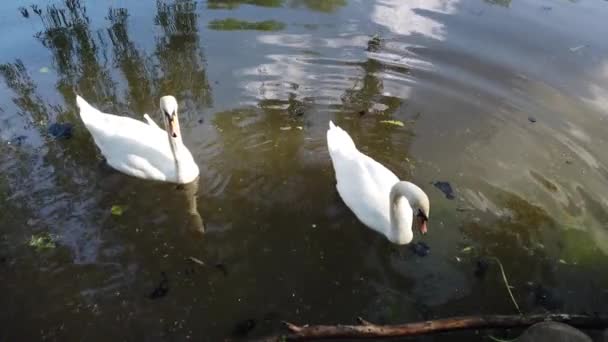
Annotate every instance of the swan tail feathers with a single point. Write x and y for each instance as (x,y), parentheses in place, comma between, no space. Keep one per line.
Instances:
(338,141)
(86,110)
(150,121)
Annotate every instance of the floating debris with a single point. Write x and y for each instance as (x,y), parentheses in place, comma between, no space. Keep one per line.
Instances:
(393,122)
(378,107)
(420,249)
(446,188)
(467,249)
(42,241)
(162,289)
(532,119)
(61,130)
(196,261)
(576,48)
(118,210)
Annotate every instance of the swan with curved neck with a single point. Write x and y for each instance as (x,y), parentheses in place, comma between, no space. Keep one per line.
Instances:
(139,149)
(373,193)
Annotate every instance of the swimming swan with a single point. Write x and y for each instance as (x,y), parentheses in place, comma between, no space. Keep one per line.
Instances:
(377,197)
(139,149)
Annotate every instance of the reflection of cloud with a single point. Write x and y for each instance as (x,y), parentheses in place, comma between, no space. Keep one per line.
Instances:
(403,17)
(299,74)
(599,89)
(309,75)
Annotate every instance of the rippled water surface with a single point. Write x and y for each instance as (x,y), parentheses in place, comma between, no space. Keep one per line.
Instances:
(506,101)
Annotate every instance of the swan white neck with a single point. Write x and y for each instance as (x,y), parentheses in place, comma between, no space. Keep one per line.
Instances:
(176,145)
(403,195)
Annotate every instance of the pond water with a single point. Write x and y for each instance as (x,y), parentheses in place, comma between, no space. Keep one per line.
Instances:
(506,101)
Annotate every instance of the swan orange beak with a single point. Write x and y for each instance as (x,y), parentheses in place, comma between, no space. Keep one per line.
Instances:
(422,224)
(173,127)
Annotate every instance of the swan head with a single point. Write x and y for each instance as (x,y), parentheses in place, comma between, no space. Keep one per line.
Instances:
(417,199)
(422,208)
(168,107)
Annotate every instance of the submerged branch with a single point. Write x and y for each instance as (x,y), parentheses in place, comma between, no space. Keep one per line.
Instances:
(369,330)
(504,278)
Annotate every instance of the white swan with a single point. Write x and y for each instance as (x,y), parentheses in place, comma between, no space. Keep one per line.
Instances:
(373,192)
(139,149)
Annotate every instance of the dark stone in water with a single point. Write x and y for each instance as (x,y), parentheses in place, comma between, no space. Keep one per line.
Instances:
(61,130)
(554,332)
(446,188)
(420,249)
(481,267)
(162,289)
(244,327)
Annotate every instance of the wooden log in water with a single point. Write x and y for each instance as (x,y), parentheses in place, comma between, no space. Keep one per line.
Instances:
(365,329)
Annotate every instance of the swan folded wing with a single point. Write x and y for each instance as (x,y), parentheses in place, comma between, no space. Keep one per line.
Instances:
(138,166)
(383,178)
(361,193)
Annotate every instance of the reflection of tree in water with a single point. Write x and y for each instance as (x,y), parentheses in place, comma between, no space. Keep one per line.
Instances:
(80,55)
(131,62)
(29,103)
(366,103)
(368,91)
(75,52)
(180,57)
(42,178)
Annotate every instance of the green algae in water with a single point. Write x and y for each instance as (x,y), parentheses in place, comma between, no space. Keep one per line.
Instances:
(232,24)
(118,210)
(42,241)
(233,4)
(393,122)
